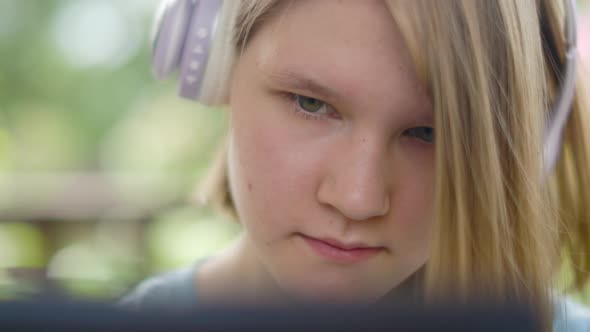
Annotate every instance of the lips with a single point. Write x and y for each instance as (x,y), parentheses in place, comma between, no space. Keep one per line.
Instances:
(341,252)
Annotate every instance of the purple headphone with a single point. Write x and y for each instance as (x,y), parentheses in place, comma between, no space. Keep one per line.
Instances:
(192,36)
(186,37)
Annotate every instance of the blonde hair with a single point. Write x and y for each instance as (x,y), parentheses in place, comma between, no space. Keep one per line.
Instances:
(500,225)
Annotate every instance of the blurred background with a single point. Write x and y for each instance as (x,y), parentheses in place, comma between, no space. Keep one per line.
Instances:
(98,161)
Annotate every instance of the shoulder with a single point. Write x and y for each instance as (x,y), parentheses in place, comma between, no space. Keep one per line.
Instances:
(172,291)
(571,316)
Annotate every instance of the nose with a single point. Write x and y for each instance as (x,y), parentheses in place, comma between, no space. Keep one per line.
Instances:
(357,183)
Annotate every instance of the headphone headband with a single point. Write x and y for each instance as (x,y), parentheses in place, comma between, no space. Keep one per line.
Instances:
(561,107)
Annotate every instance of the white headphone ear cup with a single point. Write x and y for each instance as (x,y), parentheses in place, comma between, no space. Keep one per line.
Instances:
(215,86)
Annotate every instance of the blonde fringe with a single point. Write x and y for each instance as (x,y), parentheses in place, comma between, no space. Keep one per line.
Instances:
(491,210)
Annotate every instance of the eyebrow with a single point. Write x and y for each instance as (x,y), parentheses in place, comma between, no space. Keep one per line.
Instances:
(295,80)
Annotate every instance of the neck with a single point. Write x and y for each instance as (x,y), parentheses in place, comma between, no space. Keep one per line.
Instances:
(237,277)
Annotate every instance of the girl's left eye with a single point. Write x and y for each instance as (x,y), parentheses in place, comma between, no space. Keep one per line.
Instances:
(425,134)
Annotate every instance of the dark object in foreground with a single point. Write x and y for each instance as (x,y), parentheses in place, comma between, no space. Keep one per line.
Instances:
(60,315)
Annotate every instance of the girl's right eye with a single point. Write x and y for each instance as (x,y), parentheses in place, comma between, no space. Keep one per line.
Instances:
(308,104)
(311,108)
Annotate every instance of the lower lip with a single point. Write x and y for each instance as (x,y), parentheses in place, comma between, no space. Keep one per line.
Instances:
(341,255)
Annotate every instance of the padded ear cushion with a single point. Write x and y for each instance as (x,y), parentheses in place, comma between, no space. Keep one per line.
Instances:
(215,86)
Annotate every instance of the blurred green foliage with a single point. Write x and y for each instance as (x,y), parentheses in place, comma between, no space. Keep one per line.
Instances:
(55,112)
(80,113)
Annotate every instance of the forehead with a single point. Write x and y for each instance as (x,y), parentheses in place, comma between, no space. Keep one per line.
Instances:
(353,47)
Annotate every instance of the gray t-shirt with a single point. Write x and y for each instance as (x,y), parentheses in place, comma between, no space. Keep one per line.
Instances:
(175,292)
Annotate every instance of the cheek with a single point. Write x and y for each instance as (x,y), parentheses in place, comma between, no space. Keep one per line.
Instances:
(412,210)
(271,171)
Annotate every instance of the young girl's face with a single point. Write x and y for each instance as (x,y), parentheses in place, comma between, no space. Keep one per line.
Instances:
(331,154)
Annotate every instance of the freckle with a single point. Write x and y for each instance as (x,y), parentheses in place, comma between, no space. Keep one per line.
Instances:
(249,186)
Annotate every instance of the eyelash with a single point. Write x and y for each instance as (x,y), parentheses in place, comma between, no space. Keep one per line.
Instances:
(292,98)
